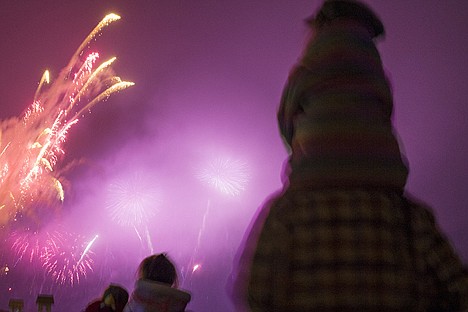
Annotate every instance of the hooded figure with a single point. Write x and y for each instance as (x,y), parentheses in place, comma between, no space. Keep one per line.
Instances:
(343,235)
(156,287)
(150,296)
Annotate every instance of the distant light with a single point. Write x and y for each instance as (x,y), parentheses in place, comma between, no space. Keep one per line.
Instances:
(4,270)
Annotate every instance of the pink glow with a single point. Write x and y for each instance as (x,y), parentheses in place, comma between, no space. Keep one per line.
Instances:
(208,80)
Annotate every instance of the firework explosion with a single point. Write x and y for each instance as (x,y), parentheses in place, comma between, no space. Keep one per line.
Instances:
(225,175)
(31,146)
(131,201)
(67,258)
(64,256)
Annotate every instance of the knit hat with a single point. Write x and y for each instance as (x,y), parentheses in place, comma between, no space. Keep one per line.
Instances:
(347,9)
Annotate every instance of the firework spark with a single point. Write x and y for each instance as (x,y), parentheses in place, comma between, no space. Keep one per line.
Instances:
(69,259)
(225,175)
(29,245)
(31,146)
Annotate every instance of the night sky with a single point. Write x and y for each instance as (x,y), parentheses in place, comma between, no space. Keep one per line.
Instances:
(208,77)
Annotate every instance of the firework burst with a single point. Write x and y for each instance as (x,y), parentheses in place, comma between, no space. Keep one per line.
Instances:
(31,146)
(65,257)
(132,200)
(68,259)
(225,175)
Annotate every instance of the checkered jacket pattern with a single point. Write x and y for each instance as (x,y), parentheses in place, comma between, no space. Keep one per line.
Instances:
(353,250)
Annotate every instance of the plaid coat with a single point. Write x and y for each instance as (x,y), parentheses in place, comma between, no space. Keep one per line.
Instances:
(352,250)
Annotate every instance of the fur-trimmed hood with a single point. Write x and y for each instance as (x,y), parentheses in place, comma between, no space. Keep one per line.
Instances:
(149,296)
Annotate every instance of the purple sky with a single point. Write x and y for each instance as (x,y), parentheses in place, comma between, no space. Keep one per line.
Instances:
(209,74)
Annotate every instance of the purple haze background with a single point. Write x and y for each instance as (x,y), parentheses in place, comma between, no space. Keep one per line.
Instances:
(209,75)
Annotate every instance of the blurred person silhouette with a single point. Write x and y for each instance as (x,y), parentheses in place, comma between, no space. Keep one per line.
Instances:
(156,288)
(114,299)
(343,235)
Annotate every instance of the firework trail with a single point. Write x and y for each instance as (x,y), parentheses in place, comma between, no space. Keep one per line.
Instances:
(202,228)
(148,240)
(31,146)
(88,247)
(193,264)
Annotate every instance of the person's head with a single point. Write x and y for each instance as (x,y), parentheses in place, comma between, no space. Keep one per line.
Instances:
(115,297)
(158,268)
(332,10)
(344,19)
